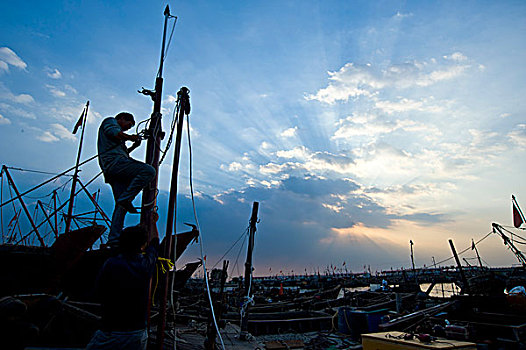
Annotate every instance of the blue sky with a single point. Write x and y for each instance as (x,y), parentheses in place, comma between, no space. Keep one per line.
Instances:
(357,125)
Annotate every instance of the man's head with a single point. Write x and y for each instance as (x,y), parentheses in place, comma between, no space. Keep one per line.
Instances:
(133,239)
(125,120)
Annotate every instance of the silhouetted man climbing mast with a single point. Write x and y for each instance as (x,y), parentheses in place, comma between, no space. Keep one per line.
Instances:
(126,176)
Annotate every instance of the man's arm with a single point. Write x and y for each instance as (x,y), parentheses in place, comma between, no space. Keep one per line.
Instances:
(126,137)
(134,146)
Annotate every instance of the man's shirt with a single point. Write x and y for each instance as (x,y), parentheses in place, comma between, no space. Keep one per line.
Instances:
(110,148)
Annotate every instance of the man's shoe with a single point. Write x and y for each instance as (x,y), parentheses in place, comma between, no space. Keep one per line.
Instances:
(128,206)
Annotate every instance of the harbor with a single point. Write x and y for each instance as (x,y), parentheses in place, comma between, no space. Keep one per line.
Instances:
(290,176)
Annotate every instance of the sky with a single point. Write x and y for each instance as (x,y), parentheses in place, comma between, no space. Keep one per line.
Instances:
(357,125)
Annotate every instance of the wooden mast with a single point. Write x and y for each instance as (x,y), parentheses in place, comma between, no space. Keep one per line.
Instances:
(183,108)
(155,135)
(248,268)
(83,116)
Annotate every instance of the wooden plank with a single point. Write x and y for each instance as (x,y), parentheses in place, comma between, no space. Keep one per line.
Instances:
(395,341)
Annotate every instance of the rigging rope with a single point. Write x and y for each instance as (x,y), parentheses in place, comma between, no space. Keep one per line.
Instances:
(175,117)
(463,251)
(165,53)
(35,171)
(237,259)
(229,249)
(201,240)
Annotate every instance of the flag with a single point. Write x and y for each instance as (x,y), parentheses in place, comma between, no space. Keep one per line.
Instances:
(79,122)
(472,245)
(517,218)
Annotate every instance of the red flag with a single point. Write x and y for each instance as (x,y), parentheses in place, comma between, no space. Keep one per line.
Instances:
(79,122)
(517,219)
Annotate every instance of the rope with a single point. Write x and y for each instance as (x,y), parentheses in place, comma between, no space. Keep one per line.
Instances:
(165,53)
(515,235)
(463,251)
(233,245)
(175,117)
(164,265)
(35,171)
(237,259)
(200,233)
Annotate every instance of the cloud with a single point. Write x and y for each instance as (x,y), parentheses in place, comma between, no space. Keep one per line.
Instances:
(300,152)
(456,56)
(16,111)
(61,132)
(518,136)
(290,132)
(372,126)
(9,58)
(355,80)
(6,94)
(47,136)
(55,91)
(406,105)
(53,73)
(399,15)
(4,120)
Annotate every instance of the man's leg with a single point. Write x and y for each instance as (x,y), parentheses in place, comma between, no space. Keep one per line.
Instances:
(141,175)
(119,214)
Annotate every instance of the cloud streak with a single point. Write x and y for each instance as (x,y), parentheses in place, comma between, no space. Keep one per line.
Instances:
(355,80)
(9,58)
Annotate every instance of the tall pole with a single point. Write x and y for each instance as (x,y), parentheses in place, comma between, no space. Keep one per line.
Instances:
(412,257)
(459,265)
(55,211)
(39,204)
(154,135)
(497,229)
(84,116)
(184,107)
(476,251)
(248,265)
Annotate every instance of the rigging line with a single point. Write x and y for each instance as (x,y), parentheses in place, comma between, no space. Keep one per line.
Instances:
(62,205)
(145,127)
(465,250)
(175,117)
(35,171)
(17,222)
(61,174)
(165,53)
(237,259)
(513,234)
(517,228)
(201,240)
(229,249)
